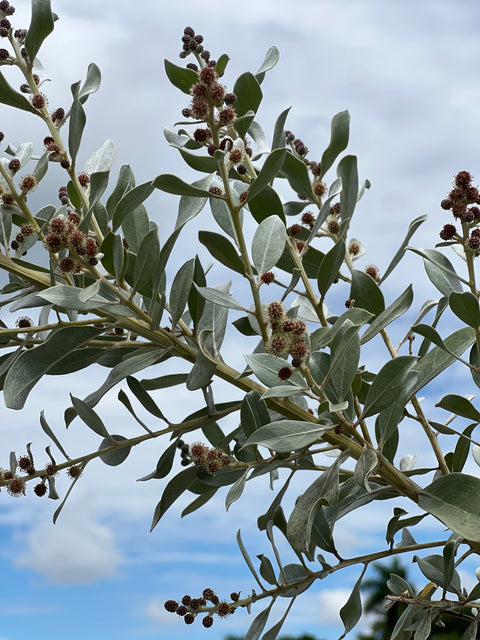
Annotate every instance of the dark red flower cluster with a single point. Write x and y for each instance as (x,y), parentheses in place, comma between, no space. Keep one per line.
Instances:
(208,94)
(268,277)
(64,233)
(462,201)
(25,231)
(288,335)
(210,459)
(461,197)
(210,100)
(189,608)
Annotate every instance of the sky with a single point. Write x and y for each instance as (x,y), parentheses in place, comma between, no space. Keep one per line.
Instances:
(407,72)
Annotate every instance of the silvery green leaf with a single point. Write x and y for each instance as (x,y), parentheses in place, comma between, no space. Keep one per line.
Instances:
(141,359)
(283,391)
(12,98)
(440,271)
(5,227)
(266,368)
(270,169)
(201,373)
(219,297)
(102,159)
(39,70)
(338,140)
(135,227)
(89,292)
(223,217)
(77,123)
(236,490)
(401,251)
(391,313)
(24,153)
(90,417)
(268,244)
(214,319)
(347,171)
(116,456)
(130,200)
(71,298)
(407,462)
(91,84)
(3,183)
(188,208)
(41,167)
(175,139)
(388,384)
(29,301)
(271,59)
(46,428)
(33,364)
(278,140)
(258,135)
(351,611)
(366,465)
(324,490)
(476,453)
(305,309)
(460,251)
(341,406)
(287,435)
(249,563)
(41,25)
(180,289)
(436,360)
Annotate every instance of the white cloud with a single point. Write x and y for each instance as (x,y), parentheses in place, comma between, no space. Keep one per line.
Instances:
(75,550)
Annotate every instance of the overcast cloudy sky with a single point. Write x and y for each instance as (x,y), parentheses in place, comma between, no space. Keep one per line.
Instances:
(408,73)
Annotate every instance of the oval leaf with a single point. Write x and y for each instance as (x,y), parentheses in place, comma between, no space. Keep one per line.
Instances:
(27,370)
(287,435)
(388,384)
(222,249)
(41,25)
(340,128)
(115,456)
(219,297)
(455,501)
(180,77)
(460,406)
(465,306)
(268,244)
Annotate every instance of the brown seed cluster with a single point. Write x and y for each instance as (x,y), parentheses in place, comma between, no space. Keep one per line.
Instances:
(462,201)
(208,603)
(25,232)
(64,233)
(6,9)
(16,484)
(288,336)
(210,459)
(209,97)
(27,184)
(211,102)
(268,277)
